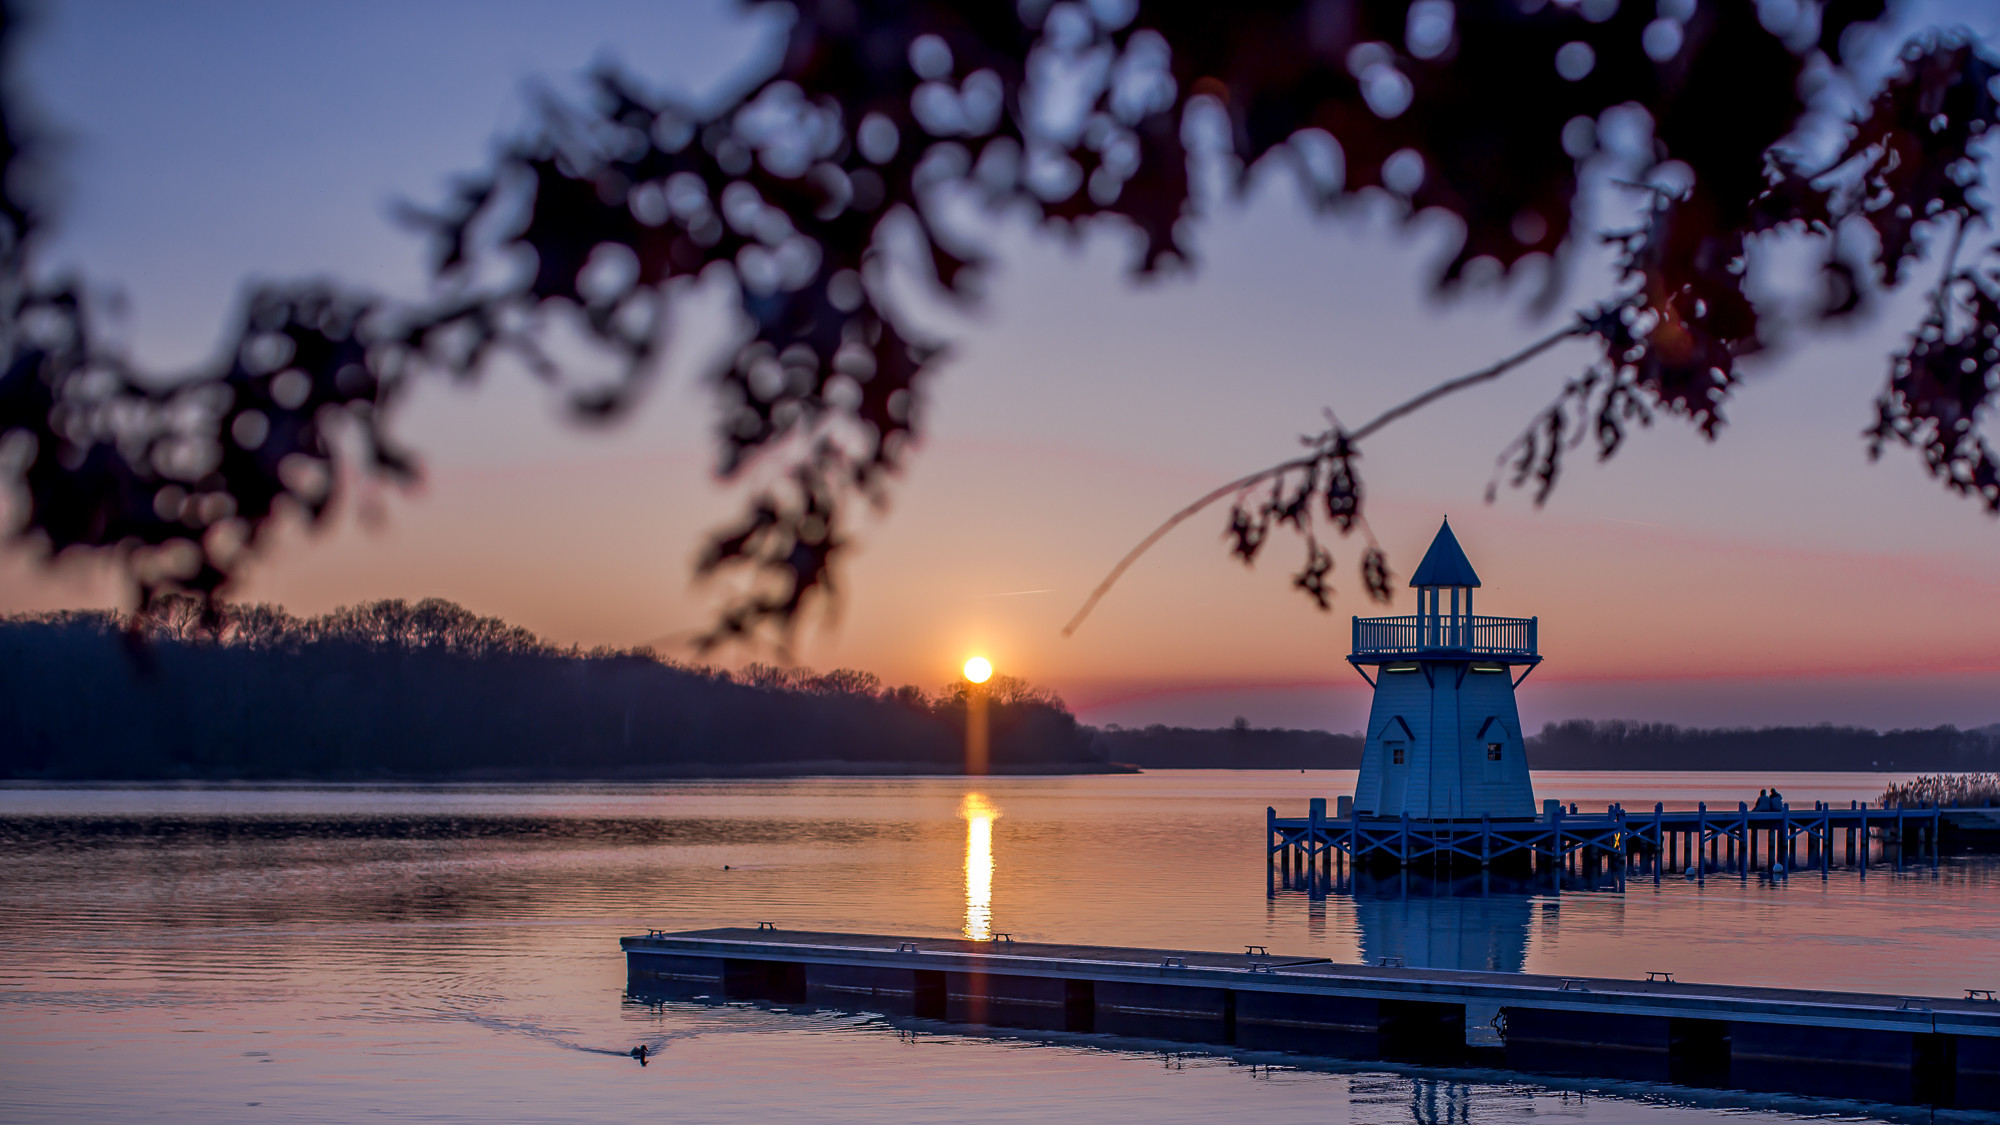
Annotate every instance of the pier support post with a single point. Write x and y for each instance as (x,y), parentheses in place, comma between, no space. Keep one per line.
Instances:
(1743,828)
(1485,840)
(1701,842)
(1315,835)
(1863,832)
(1270,838)
(1659,840)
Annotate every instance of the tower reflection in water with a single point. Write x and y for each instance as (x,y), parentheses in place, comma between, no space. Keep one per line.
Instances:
(979,814)
(1443,919)
(1423,921)
(1477,921)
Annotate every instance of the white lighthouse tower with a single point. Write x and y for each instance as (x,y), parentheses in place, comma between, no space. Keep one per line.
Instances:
(1444,737)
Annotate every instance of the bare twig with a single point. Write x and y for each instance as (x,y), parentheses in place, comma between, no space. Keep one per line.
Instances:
(1484,374)
(1173,521)
(1449,386)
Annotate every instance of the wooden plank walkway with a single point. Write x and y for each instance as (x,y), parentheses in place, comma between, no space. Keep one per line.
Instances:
(1703,840)
(1909,1050)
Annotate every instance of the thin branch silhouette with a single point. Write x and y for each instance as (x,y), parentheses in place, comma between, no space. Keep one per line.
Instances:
(1483,375)
(857,147)
(1493,371)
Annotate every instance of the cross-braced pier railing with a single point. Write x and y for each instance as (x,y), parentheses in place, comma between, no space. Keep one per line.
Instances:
(1700,841)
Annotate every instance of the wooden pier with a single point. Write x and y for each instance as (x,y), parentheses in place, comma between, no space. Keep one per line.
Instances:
(1702,841)
(1908,1050)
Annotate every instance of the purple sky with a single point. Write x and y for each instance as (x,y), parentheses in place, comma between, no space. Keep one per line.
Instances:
(1774,576)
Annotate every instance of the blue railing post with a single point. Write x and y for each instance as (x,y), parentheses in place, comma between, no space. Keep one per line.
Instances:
(1659,841)
(1701,839)
(1743,825)
(1270,831)
(1864,839)
(1624,844)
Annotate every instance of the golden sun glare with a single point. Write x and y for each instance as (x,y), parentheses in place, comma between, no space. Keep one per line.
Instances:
(978,670)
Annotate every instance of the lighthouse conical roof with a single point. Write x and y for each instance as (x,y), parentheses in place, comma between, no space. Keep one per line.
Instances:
(1445,563)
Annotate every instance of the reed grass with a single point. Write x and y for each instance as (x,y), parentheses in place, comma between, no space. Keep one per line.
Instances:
(1949,790)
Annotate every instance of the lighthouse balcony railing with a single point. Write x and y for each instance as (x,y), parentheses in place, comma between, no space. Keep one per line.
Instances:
(1456,633)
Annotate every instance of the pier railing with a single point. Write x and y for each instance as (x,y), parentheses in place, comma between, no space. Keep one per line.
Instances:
(1423,633)
(1698,842)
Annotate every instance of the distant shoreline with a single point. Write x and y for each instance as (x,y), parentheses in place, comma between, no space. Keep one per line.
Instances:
(815,771)
(677,771)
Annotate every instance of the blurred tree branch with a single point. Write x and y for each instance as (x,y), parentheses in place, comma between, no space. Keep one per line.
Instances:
(839,167)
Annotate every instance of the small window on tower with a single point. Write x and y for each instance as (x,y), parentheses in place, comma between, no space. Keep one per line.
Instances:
(1493,751)
(1395,753)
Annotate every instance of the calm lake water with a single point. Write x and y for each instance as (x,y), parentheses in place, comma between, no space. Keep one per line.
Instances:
(449,953)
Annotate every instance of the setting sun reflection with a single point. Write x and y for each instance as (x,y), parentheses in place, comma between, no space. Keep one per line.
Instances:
(979,814)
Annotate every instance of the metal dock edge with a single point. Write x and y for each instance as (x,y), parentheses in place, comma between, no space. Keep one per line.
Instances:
(1907,1050)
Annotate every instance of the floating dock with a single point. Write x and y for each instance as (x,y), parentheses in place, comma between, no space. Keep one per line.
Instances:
(1907,1050)
(1702,839)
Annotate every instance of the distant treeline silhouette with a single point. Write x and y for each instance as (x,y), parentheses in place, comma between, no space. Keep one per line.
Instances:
(1240,747)
(1583,744)
(431,690)
(392,689)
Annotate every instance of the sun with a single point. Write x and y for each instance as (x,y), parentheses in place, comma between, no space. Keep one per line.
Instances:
(978,670)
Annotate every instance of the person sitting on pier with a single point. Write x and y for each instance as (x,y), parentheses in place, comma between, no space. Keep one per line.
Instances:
(1763,801)
(1777,800)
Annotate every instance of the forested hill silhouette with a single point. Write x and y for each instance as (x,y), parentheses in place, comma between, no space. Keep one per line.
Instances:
(392,689)
(432,690)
